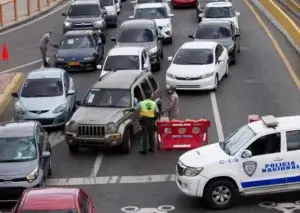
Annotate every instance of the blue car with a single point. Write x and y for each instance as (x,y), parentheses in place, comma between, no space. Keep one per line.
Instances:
(79,50)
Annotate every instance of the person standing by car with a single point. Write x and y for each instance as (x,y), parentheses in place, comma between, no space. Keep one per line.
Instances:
(45,40)
(173,103)
(148,114)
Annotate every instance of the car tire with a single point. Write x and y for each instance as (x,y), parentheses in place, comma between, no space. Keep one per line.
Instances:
(126,143)
(233,59)
(157,66)
(216,83)
(227,70)
(162,54)
(73,149)
(226,187)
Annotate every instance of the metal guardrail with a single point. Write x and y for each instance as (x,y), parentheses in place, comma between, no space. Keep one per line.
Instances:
(12,10)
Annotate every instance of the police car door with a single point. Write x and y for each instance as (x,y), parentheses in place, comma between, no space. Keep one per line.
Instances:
(262,172)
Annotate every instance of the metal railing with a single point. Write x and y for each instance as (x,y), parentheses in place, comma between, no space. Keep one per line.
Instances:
(13,10)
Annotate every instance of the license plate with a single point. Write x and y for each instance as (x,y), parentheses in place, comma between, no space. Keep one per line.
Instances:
(74,63)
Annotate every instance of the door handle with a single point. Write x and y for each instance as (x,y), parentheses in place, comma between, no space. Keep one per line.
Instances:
(278,159)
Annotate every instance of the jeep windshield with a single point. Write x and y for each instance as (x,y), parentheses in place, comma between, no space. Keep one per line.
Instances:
(234,142)
(115,98)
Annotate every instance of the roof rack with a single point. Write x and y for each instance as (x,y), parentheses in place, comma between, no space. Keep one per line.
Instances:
(270,121)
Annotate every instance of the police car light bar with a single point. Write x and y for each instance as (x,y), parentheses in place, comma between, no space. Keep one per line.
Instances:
(269,121)
(253,118)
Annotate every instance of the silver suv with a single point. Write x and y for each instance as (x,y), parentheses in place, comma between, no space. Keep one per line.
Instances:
(102,118)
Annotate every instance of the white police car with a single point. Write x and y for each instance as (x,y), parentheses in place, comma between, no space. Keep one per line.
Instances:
(261,157)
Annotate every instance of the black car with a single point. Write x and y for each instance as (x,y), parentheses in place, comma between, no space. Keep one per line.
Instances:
(221,31)
(201,6)
(142,33)
(79,50)
(86,15)
(25,158)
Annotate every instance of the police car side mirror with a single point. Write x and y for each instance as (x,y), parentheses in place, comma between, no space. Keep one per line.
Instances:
(246,154)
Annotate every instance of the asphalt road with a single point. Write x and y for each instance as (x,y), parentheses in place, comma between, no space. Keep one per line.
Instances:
(258,84)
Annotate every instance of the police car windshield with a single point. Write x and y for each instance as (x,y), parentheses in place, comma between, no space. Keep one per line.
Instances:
(77,42)
(122,62)
(151,13)
(234,142)
(44,87)
(213,31)
(19,149)
(118,98)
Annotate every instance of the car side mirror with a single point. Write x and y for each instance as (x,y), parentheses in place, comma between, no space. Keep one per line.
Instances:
(78,102)
(237,13)
(99,67)
(46,154)
(71,92)
(131,17)
(63,14)
(113,39)
(191,36)
(170,58)
(15,94)
(145,66)
(171,15)
(246,154)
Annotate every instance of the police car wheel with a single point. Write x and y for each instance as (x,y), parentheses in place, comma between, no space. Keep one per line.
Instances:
(220,194)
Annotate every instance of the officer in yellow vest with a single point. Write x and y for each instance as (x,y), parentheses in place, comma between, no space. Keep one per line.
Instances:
(148,114)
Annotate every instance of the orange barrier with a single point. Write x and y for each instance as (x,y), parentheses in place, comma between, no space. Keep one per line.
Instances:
(4,55)
(20,8)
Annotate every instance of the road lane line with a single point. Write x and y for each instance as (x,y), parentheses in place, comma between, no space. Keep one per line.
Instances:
(111,180)
(35,20)
(276,45)
(24,65)
(96,166)
(217,116)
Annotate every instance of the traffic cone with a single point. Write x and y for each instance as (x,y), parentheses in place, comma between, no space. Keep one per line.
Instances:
(4,55)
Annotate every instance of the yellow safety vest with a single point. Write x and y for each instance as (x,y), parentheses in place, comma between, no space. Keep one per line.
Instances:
(148,108)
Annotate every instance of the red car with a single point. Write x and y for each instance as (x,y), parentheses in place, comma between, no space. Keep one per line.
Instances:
(184,3)
(54,200)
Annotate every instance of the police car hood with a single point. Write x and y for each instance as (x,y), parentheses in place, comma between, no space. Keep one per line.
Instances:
(204,155)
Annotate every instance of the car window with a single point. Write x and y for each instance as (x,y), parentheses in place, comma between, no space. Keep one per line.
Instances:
(138,35)
(194,56)
(77,42)
(153,83)
(106,3)
(17,149)
(44,87)
(119,98)
(218,12)
(213,31)
(267,144)
(293,140)
(151,13)
(145,86)
(84,10)
(122,62)
(138,94)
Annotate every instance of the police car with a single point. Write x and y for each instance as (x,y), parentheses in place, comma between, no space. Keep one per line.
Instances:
(261,157)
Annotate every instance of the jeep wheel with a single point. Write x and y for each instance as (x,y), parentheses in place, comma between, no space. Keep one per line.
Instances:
(220,194)
(126,143)
(73,149)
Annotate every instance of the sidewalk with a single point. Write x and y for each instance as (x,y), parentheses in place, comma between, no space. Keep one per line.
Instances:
(24,10)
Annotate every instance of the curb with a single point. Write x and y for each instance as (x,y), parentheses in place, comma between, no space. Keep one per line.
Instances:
(30,18)
(13,86)
(294,5)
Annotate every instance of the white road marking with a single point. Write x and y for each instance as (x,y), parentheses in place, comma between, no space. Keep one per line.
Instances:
(24,65)
(111,180)
(96,166)
(35,20)
(217,116)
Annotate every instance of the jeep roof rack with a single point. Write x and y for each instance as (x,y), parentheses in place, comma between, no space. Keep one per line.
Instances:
(270,121)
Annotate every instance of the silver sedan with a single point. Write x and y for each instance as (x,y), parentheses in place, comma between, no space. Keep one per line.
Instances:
(48,95)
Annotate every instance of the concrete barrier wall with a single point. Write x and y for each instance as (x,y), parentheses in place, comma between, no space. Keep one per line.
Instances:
(280,16)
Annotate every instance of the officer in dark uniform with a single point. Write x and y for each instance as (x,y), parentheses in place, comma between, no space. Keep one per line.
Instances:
(148,114)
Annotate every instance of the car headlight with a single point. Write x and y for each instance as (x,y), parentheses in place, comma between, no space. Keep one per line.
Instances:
(19,109)
(98,23)
(207,75)
(111,127)
(59,109)
(89,58)
(67,24)
(73,126)
(153,50)
(59,59)
(170,75)
(33,175)
(191,172)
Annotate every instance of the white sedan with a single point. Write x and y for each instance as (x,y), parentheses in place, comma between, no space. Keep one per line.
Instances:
(198,65)
(165,2)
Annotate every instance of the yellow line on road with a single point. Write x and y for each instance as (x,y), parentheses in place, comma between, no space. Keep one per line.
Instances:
(276,45)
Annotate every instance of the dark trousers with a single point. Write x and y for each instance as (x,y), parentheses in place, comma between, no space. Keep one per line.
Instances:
(148,132)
